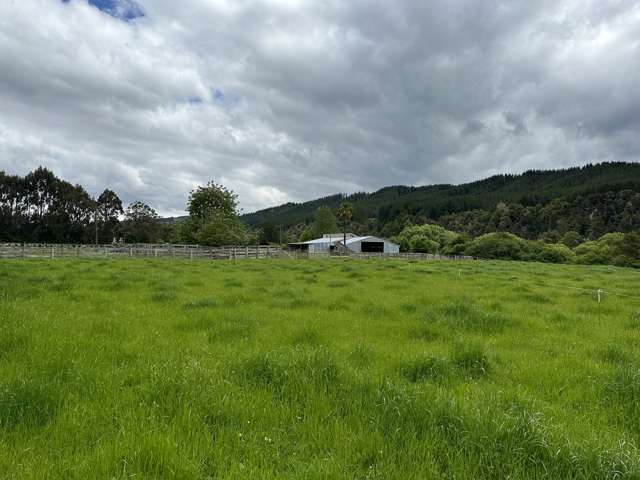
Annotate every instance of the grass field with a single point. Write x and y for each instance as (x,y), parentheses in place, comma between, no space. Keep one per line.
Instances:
(317,369)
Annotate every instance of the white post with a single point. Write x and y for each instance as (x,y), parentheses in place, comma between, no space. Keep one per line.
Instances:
(600,292)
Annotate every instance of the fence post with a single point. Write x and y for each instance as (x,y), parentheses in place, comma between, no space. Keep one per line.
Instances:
(53,253)
(23,250)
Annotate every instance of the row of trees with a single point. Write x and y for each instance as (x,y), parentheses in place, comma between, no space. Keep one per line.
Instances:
(41,207)
(622,249)
(591,200)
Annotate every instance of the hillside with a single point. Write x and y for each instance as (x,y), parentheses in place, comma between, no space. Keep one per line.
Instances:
(532,190)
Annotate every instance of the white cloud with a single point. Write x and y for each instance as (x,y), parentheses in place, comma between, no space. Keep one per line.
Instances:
(286,100)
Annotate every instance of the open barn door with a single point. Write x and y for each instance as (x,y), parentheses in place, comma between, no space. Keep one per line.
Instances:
(372,247)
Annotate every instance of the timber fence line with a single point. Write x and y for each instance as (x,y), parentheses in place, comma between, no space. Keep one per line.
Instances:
(52,251)
(192,252)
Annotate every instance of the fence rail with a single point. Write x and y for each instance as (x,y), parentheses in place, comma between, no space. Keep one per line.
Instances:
(31,250)
(52,251)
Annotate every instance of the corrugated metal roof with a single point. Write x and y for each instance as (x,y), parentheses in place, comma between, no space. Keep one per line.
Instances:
(339,240)
(319,240)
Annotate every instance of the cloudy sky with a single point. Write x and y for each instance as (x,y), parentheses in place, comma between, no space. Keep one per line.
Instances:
(288,100)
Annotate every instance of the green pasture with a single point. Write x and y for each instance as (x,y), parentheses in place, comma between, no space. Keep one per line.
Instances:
(317,369)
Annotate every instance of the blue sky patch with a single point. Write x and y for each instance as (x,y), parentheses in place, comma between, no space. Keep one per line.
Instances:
(217,94)
(126,10)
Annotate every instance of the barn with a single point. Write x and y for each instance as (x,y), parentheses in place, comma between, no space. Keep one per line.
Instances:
(355,244)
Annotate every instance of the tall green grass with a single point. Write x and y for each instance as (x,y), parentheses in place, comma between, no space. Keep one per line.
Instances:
(333,368)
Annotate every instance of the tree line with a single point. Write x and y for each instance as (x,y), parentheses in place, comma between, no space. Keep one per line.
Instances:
(592,200)
(42,208)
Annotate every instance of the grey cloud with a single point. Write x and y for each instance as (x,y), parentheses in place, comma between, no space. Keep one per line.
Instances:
(314,97)
(515,123)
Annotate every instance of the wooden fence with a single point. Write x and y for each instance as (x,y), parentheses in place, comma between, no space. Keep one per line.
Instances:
(32,250)
(193,252)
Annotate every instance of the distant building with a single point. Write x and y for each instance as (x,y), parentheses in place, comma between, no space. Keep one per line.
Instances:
(335,241)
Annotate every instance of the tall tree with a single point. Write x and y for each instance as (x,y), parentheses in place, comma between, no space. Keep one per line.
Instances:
(345,214)
(140,224)
(213,217)
(109,209)
(324,222)
(212,199)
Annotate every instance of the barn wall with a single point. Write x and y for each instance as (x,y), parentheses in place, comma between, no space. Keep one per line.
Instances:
(390,247)
(355,247)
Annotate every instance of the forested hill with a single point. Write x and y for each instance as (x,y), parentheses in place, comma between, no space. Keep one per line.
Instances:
(597,187)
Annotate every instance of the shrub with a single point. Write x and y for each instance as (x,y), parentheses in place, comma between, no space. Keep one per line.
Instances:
(498,245)
(425,238)
(554,253)
(422,244)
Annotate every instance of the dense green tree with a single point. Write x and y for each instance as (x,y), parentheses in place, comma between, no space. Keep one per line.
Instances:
(571,239)
(324,222)
(140,224)
(109,209)
(498,245)
(427,238)
(212,200)
(213,218)
(219,230)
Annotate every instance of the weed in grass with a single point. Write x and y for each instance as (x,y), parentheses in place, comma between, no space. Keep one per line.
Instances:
(409,308)
(201,303)
(231,331)
(27,404)
(337,284)
(559,317)
(307,335)
(428,368)
(623,390)
(425,332)
(466,315)
(232,283)
(614,353)
(196,323)
(163,297)
(12,342)
(361,355)
(538,298)
(634,322)
(376,311)
(294,373)
(471,360)
(236,300)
